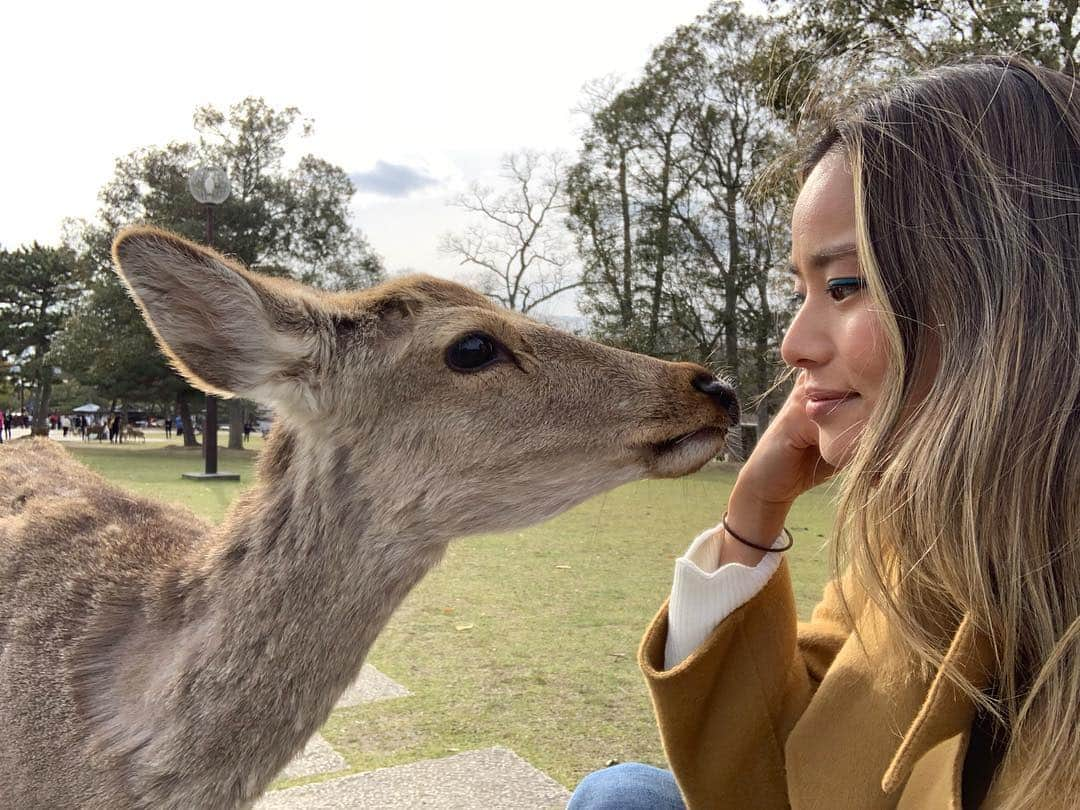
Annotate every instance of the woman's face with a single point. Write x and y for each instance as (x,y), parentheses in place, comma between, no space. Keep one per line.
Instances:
(835,338)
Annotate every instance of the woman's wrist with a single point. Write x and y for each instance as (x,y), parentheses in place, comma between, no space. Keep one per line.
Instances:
(750,516)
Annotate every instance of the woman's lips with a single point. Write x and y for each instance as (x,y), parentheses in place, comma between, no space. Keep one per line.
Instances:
(820,408)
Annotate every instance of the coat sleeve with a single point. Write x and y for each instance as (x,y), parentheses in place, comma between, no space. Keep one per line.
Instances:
(725,712)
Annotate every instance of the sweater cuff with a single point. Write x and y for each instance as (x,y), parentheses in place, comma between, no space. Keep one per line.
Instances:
(703,594)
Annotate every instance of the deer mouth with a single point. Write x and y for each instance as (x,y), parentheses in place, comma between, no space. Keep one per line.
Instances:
(685,453)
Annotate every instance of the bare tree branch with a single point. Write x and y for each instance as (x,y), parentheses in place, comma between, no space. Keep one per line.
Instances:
(517,238)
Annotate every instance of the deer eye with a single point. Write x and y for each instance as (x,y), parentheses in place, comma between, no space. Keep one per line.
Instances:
(472,353)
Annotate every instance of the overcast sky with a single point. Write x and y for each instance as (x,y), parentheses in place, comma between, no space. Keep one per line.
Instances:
(414,99)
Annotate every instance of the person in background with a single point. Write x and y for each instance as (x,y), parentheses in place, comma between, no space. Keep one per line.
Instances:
(936,357)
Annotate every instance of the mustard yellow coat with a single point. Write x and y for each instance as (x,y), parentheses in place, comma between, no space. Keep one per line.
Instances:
(774,713)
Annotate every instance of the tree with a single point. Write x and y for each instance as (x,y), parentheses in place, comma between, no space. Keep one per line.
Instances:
(599,207)
(37,288)
(675,245)
(632,172)
(736,234)
(822,48)
(517,237)
(290,222)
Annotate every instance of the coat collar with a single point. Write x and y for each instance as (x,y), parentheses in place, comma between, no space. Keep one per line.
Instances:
(946,711)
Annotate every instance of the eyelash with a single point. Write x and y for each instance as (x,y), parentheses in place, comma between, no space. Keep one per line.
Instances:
(852,284)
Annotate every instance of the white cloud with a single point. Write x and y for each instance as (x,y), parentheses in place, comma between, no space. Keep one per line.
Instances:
(392,180)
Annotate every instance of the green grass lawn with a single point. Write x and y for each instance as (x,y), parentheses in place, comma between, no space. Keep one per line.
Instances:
(524,640)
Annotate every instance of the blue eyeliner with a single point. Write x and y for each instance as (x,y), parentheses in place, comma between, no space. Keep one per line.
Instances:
(852,283)
(849,285)
(844,282)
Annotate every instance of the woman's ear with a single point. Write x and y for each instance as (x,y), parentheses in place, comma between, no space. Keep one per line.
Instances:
(227,330)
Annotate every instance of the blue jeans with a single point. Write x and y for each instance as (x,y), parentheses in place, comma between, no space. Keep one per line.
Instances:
(630,786)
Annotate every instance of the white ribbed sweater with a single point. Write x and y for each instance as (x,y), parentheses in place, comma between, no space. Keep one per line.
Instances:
(704,593)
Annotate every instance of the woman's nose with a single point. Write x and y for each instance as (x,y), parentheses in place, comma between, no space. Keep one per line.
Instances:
(805,343)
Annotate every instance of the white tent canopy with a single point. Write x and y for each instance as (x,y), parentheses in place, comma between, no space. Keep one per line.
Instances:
(89,407)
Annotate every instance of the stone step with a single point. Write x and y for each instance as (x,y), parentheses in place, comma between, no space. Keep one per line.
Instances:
(318,756)
(490,779)
(369,686)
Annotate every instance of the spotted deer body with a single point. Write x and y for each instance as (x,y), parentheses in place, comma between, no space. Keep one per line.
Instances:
(151,660)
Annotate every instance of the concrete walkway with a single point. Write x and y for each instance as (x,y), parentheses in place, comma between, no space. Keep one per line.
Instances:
(490,779)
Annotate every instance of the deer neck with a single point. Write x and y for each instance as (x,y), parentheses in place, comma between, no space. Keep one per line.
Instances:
(256,638)
(308,563)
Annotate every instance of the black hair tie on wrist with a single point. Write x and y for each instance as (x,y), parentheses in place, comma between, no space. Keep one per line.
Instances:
(744,541)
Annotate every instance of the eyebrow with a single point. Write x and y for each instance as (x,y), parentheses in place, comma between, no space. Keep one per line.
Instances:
(825,257)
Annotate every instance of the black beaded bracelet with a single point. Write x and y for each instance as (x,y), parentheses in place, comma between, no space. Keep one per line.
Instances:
(743,540)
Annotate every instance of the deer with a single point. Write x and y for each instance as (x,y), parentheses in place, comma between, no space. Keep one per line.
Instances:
(97,431)
(133,433)
(149,659)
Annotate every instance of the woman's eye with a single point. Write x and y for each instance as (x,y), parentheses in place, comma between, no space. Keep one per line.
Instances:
(796,300)
(839,288)
(472,352)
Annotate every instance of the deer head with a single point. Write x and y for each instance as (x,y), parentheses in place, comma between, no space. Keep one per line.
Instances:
(460,414)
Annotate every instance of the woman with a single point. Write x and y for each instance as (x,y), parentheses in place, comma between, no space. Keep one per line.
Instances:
(936,253)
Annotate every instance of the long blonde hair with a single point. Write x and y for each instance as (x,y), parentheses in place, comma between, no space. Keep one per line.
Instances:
(967,501)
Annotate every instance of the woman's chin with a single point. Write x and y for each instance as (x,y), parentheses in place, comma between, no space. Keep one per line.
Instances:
(837,453)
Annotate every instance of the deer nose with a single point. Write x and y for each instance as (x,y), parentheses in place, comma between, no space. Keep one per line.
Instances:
(723,395)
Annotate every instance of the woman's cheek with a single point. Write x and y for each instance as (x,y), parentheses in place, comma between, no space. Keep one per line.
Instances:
(867,352)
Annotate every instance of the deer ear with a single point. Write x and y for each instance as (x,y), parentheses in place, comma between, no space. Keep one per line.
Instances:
(227,330)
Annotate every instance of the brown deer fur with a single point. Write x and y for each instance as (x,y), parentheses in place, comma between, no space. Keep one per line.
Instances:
(151,660)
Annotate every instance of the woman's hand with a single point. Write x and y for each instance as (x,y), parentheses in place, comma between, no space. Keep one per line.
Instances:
(785,463)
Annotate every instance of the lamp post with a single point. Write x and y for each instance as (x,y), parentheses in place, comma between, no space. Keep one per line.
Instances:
(209,185)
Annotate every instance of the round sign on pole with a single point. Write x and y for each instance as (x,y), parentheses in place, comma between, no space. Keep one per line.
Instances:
(209,185)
